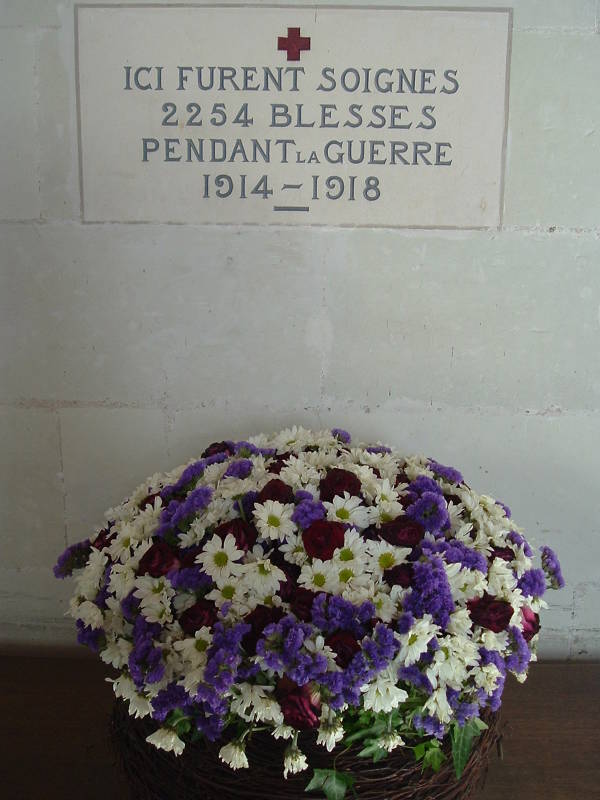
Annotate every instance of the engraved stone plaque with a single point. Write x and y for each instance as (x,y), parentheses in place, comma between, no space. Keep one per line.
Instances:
(340,116)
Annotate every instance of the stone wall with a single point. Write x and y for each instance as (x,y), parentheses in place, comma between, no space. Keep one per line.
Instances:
(127,348)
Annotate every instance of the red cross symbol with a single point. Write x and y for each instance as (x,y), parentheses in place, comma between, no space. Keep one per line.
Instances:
(293,44)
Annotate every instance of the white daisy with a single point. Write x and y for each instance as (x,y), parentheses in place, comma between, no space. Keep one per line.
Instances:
(390,741)
(318,576)
(385,512)
(438,706)
(274,519)
(383,555)
(331,729)
(166,739)
(263,577)
(219,556)
(414,643)
(349,510)
(293,550)
(383,694)
(354,551)
(234,755)
(293,761)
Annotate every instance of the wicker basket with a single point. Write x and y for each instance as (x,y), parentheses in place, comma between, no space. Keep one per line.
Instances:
(198,774)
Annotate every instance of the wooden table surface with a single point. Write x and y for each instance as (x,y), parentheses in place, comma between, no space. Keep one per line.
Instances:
(53,736)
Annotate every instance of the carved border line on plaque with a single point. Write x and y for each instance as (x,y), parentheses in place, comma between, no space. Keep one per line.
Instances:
(288,12)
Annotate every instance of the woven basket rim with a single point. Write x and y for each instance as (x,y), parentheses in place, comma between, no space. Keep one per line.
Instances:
(199,774)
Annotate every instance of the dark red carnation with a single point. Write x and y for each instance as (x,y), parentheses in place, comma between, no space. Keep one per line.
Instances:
(103,539)
(158,560)
(344,645)
(148,500)
(202,613)
(338,481)
(278,463)
(276,489)
(189,559)
(400,575)
(490,612)
(299,704)
(218,447)
(288,587)
(301,603)
(531,623)
(401,477)
(505,553)
(322,537)
(258,619)
(402,531)
(245,535)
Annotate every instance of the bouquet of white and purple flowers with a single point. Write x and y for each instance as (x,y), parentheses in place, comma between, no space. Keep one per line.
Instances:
(300,582)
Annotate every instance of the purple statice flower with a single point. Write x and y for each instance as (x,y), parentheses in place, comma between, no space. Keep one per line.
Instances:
(465,711)
(414,675)
(196,501)
(247,504)
(239,469)
(190,475)
(245,449)
(74,557)
(331,613)
(456,552)
(376,654)
(209,724)
(520,657)
(307,512)
(532,583)
(452,696)
(165,526)
(382,647)
(342,435)
(248,671)
(145,660)
(223,659)
(378,448)
(492,657)
(551,567)
(130,606)
(431,511)
(301,495)
(93,638)
(520,541)
(191,579)
(345,686)
(447,473)
(168,699)
(507,511)
(423,484)
(494,700)
(404,623)
(430,593)
(282,649)
(267,452)
(427,657)
(430,725)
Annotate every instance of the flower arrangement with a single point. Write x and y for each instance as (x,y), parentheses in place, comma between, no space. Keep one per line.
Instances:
(300,583)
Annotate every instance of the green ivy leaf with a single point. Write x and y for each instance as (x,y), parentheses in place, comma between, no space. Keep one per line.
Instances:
(333,784)
(373,730)
(434,757)
(462,742)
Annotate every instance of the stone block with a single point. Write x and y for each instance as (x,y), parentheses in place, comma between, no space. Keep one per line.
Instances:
(19,156)
(107,453)
(553,136)
(31,493)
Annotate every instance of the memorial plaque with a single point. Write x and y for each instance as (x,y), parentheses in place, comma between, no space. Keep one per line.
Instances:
(293,115)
